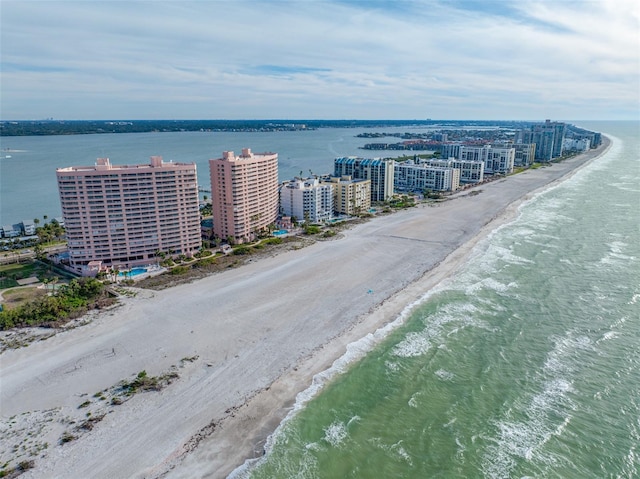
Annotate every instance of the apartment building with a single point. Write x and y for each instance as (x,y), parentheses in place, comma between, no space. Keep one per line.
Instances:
(412,177)
(120,216)
(470,171)
(244,194)
(379,171)
(351,196)
(497,160)
(525,154)
(307,200)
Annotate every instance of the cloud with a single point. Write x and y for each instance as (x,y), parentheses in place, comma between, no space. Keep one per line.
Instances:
(320,59)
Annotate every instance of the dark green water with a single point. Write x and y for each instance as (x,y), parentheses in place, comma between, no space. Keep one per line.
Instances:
(525,364)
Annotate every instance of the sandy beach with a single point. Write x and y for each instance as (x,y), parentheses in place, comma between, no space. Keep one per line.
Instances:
(243,343)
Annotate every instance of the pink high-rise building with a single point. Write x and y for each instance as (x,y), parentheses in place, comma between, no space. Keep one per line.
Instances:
(122,216)
(244,194)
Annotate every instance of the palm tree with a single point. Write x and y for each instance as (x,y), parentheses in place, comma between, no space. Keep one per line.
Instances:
(36,222)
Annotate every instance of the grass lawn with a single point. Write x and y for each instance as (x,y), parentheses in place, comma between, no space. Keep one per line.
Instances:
(10,273)
(17,296)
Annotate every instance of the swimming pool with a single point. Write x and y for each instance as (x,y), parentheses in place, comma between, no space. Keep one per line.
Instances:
(279,232)
(132,272)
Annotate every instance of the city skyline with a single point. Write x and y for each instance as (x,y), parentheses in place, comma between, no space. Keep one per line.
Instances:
(567,60)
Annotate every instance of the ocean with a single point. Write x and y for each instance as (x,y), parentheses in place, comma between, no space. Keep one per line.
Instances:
(523,364)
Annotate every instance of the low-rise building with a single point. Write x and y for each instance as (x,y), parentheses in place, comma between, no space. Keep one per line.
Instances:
(28,227)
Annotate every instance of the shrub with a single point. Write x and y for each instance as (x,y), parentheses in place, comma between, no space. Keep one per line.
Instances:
(177,270)
(67,437)
(242,250)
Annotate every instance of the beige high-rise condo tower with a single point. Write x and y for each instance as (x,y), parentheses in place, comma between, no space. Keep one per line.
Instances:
(244,194)
(122,216)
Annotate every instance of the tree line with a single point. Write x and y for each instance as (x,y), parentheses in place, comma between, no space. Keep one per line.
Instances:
(59,305)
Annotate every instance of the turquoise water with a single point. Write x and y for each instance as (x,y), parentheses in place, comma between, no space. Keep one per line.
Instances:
(133,272)
(525,364)
(279,232)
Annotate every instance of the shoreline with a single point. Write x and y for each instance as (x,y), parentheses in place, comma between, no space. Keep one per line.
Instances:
(362,338)
(260,333)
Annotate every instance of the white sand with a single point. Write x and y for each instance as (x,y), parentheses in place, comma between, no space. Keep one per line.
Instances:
(260,334)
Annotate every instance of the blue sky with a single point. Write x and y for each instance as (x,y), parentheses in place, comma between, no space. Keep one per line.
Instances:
(455,59)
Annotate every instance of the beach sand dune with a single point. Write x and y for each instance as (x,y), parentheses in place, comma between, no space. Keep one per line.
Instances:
(243,343)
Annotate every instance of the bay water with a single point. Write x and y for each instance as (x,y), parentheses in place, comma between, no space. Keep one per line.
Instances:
(524,364)
(28,186)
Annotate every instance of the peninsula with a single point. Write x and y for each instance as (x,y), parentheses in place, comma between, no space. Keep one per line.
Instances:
(236,348)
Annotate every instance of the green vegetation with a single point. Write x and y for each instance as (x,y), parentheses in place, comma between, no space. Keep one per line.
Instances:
(10,273)
(403,201)
(312,229)
(143,382)
(67,302)
(177,270)
(271,241)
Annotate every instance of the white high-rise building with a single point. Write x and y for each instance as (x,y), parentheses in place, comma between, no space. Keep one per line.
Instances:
(307,200)
(410,176)
(470,171)
(496,160)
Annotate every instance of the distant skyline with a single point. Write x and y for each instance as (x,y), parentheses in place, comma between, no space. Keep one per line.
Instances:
(455,59)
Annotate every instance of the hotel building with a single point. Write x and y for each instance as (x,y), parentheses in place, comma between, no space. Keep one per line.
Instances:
(244,194)
(307,200)
(120,216)
(379,171)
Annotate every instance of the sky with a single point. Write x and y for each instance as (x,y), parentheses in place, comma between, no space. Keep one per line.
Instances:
(320,59)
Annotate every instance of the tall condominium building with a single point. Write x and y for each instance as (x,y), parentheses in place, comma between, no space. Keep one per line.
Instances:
(121,216)
(410,176)
(244,194)
(351,196)
(307,200)
(470,171)
(548,137)
(379,171)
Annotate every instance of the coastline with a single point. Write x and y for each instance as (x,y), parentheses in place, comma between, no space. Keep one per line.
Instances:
(241,326)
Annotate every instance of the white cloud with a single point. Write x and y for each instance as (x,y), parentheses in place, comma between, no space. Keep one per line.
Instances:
(320,59)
